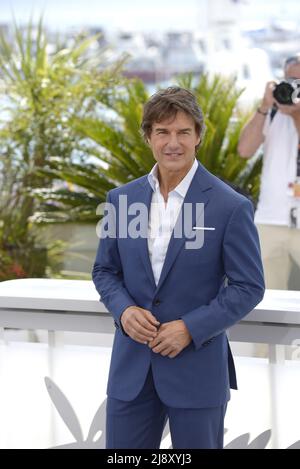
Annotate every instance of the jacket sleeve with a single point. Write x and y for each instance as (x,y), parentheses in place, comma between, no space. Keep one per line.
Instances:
(108,276)
(244,287)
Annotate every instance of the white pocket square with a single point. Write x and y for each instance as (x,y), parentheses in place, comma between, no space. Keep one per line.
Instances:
(207,228)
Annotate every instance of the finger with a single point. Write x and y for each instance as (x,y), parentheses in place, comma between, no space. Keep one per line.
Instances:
(167,351)
(152,319)
(278,104)
(142,330)
(160,347)
(139,329)
(174,353)
(153,343)
(137,322)
(139,338)
(146,324)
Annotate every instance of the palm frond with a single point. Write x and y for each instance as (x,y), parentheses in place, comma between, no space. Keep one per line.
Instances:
(123,155)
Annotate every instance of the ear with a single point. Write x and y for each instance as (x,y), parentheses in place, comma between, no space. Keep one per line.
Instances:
(148,138)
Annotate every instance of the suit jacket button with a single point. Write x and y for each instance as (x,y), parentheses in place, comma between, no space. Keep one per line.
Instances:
(157,302)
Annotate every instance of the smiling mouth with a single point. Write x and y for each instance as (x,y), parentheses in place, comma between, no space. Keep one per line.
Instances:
(173,154)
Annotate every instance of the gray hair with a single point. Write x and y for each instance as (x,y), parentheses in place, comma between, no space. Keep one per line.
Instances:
(166,103)
(292,60)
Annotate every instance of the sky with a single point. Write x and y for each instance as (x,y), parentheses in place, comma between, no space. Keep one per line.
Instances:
(137,15)
(126,14)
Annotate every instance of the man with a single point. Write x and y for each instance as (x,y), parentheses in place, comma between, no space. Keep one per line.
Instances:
(278,128)
(173,298)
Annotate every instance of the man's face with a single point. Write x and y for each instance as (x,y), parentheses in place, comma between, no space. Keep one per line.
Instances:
(173,142)
(291,71)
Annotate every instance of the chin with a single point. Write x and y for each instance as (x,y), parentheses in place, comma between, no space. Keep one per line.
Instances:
(174,164)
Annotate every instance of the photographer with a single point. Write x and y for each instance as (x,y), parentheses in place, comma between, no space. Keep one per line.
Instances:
(276,125)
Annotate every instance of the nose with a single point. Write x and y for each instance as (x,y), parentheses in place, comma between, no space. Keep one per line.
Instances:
(173,143)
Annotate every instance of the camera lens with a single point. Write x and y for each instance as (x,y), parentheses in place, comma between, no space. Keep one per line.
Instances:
(283,93)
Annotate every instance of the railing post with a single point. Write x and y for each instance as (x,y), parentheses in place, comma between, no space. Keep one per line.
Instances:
(276,360)
(55,342)
(2,335)
(3,392)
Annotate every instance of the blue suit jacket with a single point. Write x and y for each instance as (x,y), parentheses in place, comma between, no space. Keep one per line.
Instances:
(210,289)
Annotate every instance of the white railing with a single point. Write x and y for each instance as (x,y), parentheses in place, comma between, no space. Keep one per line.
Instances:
(73,305)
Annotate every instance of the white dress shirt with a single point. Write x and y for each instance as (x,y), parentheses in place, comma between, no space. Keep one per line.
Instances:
(163,216)
(279,169)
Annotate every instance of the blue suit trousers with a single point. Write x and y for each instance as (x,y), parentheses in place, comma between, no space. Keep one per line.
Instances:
(139,423)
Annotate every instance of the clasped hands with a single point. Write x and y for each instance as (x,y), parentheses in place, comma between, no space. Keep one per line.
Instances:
(168,339)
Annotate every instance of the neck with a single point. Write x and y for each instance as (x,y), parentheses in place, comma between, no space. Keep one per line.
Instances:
(168,180)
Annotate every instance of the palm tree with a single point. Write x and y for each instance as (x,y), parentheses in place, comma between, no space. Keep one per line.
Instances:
(41,92)
(116,152)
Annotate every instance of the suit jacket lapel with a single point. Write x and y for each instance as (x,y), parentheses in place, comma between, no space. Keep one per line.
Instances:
(198,192)
(145,197)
